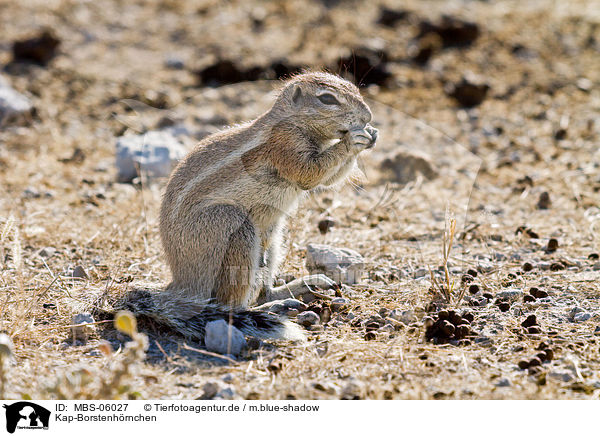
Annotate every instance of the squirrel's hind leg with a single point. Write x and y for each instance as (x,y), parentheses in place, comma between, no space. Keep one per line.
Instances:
(237,282)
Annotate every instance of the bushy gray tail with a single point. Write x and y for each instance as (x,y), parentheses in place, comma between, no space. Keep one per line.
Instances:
(189,316)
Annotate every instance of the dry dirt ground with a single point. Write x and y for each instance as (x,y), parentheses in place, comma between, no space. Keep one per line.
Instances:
(517,169)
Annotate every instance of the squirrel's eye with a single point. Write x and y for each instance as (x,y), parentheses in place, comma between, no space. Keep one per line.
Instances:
(328,99)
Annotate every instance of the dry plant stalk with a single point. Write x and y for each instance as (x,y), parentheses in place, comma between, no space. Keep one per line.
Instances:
(4,236)
(449,291)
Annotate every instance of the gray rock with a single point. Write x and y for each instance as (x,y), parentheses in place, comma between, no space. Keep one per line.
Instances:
(387,328)
(510,294)
(15,108)
(79,273)
(292,303)
(421,272)
(582,317)
(81,332)
(47,252)
(339,303)
(228,378)
(404,316)
(308,318)
(503,383)
(277,308)
(209,390)
(405,167)
(340,264)
(225,394)
(596,266)
(174,62)
(223,338)
(155,152)
(485,267)
(562,375)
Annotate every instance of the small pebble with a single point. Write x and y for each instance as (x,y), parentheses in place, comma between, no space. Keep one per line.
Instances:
(339,303)
(544,201)
(473,289)
(510,294)
(503,383)
(81,332)
(404,316)
(561,375)
(308,318)
(222,338)
(47,252)
(582,317)
(79,272)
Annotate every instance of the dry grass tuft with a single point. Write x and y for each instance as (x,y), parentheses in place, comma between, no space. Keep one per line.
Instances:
(450,290)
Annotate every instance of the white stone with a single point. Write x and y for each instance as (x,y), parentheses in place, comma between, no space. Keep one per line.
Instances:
(510,294)
(340,264)
(155,153)
(223,338)
(15,108)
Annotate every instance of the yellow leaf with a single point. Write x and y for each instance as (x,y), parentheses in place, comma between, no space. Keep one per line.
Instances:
(125,323)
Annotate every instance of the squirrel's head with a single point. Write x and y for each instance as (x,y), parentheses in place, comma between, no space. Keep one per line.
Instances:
(325,103)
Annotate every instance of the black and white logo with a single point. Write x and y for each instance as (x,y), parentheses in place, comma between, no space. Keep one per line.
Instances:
(24,415)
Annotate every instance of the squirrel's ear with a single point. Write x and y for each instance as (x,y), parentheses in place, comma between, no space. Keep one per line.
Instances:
(297,95)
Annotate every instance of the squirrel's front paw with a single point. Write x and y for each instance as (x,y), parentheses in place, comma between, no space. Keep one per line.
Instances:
(361,139)
(374,133)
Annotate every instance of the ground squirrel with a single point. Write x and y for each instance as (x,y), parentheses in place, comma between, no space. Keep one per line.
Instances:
(226,202)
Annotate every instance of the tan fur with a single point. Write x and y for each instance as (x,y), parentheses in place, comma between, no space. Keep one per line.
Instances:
(226,203)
